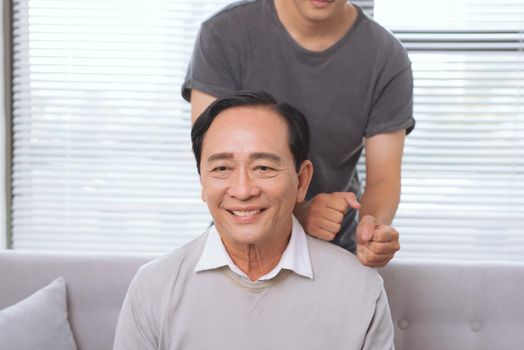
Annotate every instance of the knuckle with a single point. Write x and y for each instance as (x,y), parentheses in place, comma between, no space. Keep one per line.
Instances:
(362,258)
(395,234)
(382,250)
(322,235)
(368,254)
(326,235)
(315,201)
(338,206)
(321,197)
(381,264)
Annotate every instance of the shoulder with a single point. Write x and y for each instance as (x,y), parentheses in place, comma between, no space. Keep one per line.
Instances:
(332,262)
(328,253)
(235,15)
(386,44)
(167,269)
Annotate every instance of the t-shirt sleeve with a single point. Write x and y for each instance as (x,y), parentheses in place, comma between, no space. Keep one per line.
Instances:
(380,335)
(213,65)
(135,330)
(392,108)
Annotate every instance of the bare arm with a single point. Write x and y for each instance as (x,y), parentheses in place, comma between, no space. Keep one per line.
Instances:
(383,160)
(377,241)
(199,102)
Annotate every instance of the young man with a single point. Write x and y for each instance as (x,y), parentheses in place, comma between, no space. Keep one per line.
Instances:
(255,280)
(350,77)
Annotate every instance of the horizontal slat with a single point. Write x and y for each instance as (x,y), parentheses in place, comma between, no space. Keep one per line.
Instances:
(111,220)
(162,171)
(491,41)
(436,167)
(85,192)
(466,15)
(122,203)
(74,135)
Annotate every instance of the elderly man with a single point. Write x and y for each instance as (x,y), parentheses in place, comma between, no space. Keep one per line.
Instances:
(255,280)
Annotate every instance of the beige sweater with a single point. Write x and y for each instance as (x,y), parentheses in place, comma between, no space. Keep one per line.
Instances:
(170,306)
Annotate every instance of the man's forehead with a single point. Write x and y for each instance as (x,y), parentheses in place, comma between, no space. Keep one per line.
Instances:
(247,134)
(246,123)
(248,115)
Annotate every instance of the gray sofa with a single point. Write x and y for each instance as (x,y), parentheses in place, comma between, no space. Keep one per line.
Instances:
(434,306)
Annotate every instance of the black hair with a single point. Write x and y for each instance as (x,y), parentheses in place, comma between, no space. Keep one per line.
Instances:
(298,128)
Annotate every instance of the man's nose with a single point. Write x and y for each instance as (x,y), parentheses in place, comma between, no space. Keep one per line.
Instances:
(243,186)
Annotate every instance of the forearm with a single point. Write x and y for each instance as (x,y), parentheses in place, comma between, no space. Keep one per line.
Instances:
(380,200)
(199,102)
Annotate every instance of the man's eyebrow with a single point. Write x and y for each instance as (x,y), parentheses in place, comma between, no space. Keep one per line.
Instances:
(252,156)
(264,155)
(219,156)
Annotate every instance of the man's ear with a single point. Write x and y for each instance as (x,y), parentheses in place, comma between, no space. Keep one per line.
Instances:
(202,193)
(305,175)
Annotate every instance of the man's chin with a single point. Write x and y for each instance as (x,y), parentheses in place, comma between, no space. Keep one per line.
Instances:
(247,237)
(239,233)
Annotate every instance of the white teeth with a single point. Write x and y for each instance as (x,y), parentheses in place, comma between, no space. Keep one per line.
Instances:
(245,212)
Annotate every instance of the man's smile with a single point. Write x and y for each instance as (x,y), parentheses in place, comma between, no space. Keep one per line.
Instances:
(246,215)
(245,212)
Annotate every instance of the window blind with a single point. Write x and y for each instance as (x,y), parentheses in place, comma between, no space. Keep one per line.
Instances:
(463,168)
(101,158)
(102,161)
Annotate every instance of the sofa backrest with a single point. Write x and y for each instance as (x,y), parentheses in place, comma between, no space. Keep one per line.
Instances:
(434,306)
(448,306)
(96,286)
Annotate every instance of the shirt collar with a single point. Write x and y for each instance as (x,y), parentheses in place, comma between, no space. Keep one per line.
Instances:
(295,257)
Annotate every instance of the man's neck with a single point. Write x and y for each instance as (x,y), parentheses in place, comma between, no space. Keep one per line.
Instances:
(257,260)
(315,35)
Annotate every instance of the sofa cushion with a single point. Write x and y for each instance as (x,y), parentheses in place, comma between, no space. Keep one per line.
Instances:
(38,322)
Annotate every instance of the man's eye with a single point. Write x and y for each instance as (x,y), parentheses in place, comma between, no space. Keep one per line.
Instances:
(219,169)
(263,168)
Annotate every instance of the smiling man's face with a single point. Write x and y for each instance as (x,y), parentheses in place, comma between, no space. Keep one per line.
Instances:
(248,176)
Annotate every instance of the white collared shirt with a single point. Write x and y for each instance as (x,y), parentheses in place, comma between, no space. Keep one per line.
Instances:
(295,257)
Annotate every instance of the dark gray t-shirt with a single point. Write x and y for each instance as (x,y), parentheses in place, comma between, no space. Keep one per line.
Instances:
(359,87)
